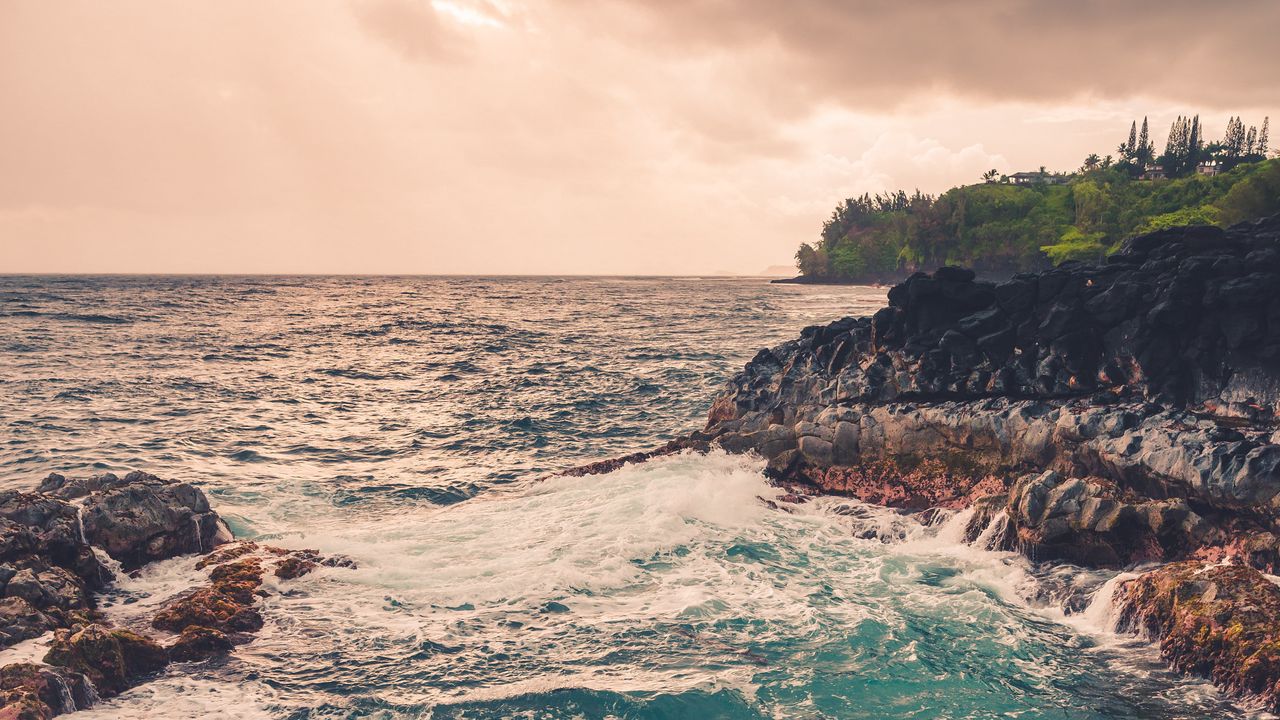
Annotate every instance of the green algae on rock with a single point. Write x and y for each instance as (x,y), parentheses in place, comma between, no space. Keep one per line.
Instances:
(1218,621)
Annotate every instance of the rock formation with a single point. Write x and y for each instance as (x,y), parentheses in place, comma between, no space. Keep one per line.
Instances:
(49,572)
(1105,415)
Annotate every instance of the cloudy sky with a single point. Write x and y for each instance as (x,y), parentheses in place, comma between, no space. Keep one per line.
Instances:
(560,136)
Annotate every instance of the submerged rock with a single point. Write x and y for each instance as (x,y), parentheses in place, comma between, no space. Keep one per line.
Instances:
(1219,621)
(199,643)
(228,603)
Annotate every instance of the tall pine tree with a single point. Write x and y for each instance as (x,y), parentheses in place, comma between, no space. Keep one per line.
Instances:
(1146,150)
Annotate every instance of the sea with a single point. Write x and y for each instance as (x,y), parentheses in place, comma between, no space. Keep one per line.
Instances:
(416,425)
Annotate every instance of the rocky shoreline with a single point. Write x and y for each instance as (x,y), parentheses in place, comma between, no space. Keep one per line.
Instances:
(64,543)
(1111,416)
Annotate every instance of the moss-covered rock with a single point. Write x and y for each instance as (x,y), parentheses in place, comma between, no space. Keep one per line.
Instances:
(1218,621)
(38,692)
(199,643)
(112,658)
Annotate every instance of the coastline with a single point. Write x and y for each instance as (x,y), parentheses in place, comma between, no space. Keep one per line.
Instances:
(1116,416)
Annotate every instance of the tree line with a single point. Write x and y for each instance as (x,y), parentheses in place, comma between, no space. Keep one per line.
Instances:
(999,228)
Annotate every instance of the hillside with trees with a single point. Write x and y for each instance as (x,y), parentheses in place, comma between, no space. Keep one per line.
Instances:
(1032,220)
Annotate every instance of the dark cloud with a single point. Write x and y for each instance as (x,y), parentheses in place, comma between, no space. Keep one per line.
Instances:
(879,53)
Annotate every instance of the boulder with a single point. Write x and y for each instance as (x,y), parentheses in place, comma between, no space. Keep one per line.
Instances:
(38,692)
(20,620)
(142,518)
(197,643)
(113,659)
(1217,621)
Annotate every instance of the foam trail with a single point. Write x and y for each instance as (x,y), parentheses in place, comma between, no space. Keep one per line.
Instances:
(993,535)
(1101,616)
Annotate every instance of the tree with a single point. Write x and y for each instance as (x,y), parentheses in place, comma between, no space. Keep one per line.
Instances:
(1092,162)
(1146,151)
(990,175)
(1263,136)
(812,261)
(1076,245)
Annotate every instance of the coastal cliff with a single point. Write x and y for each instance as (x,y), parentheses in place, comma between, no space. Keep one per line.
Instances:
(1106,416)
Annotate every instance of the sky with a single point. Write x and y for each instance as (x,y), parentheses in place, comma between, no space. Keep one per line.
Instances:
(561,136)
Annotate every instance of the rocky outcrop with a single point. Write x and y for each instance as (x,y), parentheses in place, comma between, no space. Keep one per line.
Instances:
(140,518)
(1100,415)
(1149,385)
(50,570)
(111,658)
(1219,621)
(29,691)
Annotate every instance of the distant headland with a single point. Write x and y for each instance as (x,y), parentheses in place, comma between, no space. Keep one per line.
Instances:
(1029,221)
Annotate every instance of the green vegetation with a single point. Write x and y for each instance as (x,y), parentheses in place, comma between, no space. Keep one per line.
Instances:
(1000,226)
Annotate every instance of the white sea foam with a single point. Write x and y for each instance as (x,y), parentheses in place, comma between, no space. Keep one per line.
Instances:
(668,576)
(28,651)
(177,696)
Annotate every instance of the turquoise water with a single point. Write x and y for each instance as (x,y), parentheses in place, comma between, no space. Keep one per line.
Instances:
(407,422)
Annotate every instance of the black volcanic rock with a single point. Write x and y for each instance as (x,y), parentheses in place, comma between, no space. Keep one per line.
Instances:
(1105,416)
(49,573)
(1159,371)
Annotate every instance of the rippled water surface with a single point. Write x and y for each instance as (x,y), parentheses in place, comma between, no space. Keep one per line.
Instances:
(405,421)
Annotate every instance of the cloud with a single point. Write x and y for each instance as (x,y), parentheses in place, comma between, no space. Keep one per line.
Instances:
(412,28)
(552,135)
(878,53)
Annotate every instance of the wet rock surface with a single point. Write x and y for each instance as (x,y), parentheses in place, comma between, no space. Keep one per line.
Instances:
(1150,385)
(140,518)
(1105,416)
(111,658)
(49,573)
(29,691)
(1218,621)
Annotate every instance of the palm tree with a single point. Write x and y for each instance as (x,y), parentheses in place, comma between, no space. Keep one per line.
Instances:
(1091,163)
(990,175)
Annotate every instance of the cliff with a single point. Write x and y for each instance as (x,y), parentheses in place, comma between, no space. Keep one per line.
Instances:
(1107,416)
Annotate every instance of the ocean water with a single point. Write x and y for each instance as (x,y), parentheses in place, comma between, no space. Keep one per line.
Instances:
(409,423)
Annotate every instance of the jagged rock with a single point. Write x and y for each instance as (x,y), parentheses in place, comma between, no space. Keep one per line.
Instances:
(48,587)
(38,530)
(113,659)
(1105,415)
(1091,522)
(199,643)
(48,573)
(20,620)
(1218,621)
(925,484)
(226,604)
(294,567)
(1150,384)
(141,518)
(38,692)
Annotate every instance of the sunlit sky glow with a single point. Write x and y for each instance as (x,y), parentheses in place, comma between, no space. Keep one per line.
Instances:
(560,136)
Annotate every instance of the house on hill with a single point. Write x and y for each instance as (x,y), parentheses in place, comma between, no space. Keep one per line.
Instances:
(1037,178)
(1154,172)
(1209,167)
